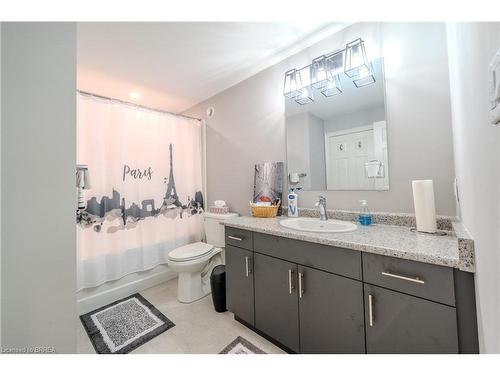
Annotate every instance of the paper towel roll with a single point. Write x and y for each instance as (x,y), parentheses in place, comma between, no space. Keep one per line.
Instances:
(425,209)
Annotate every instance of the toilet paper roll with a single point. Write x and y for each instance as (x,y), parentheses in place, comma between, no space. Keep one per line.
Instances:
(425,209)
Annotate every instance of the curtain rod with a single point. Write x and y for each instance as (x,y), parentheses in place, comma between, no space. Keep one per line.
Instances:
(86,93)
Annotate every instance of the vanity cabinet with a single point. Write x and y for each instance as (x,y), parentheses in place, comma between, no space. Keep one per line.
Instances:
(307,310)
(276,303)
(331,313)
(314,298)
(239,283)
(399,323)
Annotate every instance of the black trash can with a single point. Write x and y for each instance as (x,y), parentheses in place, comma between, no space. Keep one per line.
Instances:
(218,285)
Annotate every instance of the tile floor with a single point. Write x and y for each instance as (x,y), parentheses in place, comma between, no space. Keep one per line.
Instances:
(198,328)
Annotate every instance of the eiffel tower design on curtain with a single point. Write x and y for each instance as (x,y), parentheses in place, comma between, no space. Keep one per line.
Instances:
(171,197)
(96,212)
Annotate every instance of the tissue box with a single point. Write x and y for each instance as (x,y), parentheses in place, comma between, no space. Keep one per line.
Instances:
(218,210)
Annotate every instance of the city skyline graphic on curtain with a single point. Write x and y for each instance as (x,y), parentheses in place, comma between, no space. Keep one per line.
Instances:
(96,212)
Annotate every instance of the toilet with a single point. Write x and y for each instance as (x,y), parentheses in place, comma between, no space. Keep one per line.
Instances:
(194,262)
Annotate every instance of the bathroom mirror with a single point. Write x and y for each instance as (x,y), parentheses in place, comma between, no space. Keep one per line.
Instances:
(339,142)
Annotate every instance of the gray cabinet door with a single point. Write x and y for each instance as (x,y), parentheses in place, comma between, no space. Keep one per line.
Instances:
(331,313)
(239,283)
(276,305)
(399,323)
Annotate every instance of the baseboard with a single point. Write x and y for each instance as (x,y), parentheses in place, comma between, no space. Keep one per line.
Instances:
(101,298)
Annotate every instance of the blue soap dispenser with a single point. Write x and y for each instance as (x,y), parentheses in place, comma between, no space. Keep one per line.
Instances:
(365,217)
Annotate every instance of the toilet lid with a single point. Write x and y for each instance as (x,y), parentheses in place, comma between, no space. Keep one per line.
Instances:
(191,251)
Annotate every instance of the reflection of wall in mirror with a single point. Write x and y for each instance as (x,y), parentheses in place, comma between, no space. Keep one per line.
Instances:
(305,150)
(350,143)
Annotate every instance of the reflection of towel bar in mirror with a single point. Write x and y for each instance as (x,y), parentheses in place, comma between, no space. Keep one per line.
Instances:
(295,177)
(374,169)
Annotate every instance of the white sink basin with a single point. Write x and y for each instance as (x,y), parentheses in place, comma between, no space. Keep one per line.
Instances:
(309,224)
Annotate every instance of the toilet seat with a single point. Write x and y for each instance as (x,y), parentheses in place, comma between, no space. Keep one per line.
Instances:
(191,252)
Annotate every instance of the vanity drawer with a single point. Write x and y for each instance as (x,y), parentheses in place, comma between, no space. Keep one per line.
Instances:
(332,259)
(239,237)
(419,279)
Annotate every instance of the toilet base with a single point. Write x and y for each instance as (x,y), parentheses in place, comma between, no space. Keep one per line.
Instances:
(191,287)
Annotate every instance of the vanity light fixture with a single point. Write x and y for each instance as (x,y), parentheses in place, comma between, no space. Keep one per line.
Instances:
(293,84)
(332,88)
(306,96)
(323,74)
(356,64)
(365,77)
(334,65)
(320,74)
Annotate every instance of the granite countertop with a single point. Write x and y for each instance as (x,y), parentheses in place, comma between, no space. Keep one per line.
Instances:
(456,249)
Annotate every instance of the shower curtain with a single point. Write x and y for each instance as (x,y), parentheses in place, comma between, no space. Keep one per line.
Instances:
(145,197)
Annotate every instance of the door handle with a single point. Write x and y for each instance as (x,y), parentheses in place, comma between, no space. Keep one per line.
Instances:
(301,284)
(247,266)
(406,278)
(235,238)
(370,310)
(290,282)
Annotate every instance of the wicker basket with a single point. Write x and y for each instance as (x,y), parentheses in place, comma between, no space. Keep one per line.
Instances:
(264,211)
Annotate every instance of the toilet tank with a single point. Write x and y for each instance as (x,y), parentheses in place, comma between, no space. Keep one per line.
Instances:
(214,227)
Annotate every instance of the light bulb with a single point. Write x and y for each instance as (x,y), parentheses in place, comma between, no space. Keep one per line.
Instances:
(135,95)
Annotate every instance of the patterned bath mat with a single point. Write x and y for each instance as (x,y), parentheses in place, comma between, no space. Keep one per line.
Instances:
(124,325)
(241,346)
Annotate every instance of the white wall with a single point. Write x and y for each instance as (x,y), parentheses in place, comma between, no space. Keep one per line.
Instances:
(317,152)
(38,185)
(471,47)
(305,144)
(352,120)
(298,146)
(249,125)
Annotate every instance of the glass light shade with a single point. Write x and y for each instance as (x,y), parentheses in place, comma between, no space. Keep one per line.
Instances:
(306,96)
(355,61)
(364,77)
(333,87)
(335,63)
(320,74)
(293,84)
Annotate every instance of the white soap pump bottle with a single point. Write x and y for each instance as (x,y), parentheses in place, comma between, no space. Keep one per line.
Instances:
(293,209)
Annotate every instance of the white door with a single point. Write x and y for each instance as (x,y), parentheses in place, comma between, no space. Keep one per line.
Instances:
(346,157)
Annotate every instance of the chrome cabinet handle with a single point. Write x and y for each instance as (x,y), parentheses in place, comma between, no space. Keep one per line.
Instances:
(235,238)
(301,284)
(290,285)
(412,279)
(370,309)
(247,266)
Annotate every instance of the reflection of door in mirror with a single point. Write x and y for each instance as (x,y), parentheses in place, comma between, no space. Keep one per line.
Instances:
(346,153)
(340,142)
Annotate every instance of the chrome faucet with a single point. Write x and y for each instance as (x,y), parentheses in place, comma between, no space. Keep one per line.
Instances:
(321,203)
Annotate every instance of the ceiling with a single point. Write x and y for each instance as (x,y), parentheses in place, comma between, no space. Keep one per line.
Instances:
(188,62)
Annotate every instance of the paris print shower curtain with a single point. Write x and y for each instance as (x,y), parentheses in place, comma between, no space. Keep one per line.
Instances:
(144,199)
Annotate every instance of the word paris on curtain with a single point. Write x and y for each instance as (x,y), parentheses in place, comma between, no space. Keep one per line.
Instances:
(144,198)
